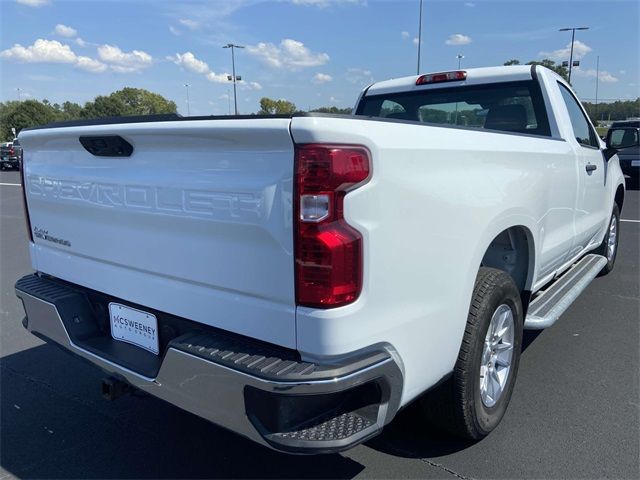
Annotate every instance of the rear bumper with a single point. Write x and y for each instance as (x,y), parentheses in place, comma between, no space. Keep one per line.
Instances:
(265,393)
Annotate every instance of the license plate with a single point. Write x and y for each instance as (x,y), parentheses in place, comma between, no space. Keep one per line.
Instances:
(635,163)
(134,326)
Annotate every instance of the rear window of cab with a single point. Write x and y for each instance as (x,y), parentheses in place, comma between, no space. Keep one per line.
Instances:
(515,107)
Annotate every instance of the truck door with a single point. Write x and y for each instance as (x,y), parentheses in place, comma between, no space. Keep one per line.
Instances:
(590,202)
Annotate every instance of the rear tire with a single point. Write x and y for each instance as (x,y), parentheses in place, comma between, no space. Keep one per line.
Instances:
(609,246)
(466,405)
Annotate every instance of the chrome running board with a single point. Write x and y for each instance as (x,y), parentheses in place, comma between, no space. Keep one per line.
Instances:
(548,305)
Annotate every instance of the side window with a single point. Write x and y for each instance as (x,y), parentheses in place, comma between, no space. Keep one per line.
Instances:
(391,109)
(581,128)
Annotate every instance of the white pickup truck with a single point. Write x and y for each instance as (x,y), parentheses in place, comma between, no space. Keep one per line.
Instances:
(298,280)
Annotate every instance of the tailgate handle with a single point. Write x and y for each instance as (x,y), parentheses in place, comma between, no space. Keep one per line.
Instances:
(107,146)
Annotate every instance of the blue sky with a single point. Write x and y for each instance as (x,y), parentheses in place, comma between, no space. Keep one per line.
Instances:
(312,52)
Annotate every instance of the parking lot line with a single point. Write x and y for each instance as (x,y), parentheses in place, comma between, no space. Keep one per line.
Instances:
(628,220)
(10,184)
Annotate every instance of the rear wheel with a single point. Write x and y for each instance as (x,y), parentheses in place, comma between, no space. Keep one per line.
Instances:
(471,403)
(609,246)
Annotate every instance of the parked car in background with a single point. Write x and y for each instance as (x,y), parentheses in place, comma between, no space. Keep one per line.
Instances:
(626,133)
(10,155)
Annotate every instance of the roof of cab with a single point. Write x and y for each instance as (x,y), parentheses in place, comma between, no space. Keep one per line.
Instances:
(475,76)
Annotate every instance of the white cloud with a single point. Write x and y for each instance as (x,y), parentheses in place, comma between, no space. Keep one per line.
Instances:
(458,39)
(124,62)
(250,85)
(42,51)
(334,99)
(416,40)
(579,51)
(603,75)
(189,62)
(81,42)
(469,4)
(174,30)
(190,24)
(359,76)
(217,77)
(622,72)
(52,51)
(326,3)
(90,65)
(321,78)
(65,31)
(290,55)
(405,35)
(33,3)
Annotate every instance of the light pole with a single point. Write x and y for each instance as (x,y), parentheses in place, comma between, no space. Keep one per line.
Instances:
(573,36)
(419,38)
(188,104)
(234,78)
(459,57)
(19,94)
(597,80)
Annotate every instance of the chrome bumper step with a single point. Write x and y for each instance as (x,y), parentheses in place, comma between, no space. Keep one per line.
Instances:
(546,307)
(262,391)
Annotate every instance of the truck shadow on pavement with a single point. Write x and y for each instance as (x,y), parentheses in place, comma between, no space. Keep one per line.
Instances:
(55,424)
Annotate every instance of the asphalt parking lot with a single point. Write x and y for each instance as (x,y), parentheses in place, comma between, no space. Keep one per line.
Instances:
(574,414)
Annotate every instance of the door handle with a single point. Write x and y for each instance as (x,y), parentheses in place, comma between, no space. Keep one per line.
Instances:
(590,167)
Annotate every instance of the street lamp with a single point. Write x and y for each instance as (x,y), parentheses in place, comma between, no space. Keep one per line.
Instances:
(459,57)
(233,77)
(188,105)
(419,38)
(573,36)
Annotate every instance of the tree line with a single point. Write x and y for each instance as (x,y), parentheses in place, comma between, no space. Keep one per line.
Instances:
(137,101)
(125,102)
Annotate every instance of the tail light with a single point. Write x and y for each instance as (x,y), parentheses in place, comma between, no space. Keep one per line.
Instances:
(328,250)
(11,151)
(24,198)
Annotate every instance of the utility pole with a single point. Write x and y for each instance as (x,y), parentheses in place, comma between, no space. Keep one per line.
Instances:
(459,57)
(188,104)
(419,38)
(19,94)
(573,37)
(597,81)
(234,78)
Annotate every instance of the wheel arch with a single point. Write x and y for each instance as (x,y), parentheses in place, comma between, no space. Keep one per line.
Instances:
(512,249)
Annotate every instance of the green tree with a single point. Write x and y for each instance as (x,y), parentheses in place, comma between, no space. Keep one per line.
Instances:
(618,110)
(126,102)
(334,110)
(143,102)
(19,115)
(105,107)
(550,64)
(269,106)
(70,111)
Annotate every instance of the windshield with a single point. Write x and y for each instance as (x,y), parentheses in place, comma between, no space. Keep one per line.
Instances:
(513,107)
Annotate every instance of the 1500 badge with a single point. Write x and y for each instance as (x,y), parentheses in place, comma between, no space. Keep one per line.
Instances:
(44,235)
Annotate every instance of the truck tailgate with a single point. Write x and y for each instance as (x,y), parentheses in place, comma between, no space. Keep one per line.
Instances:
(196,222)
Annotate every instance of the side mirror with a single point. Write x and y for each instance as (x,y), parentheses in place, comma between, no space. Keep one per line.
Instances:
(621,138)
